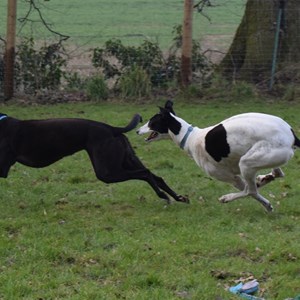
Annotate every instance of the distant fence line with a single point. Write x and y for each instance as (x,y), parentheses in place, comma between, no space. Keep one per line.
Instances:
(214,30)
(91,23)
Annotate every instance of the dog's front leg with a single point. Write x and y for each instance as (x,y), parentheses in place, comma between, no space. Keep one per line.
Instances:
(6,161)
(162,184)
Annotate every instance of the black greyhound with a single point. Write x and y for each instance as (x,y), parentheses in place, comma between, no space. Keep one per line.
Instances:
(39,143)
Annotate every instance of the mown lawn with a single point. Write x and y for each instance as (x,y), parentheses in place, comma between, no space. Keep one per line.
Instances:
(65,235)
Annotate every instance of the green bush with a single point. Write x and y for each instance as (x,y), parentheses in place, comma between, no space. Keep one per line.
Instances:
(41,68)
(74,81)
(97,89)
(243,89)
(135,83)
(114,59)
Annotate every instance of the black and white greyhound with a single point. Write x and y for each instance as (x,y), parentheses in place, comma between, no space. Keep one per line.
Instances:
(232,151)
(40,143)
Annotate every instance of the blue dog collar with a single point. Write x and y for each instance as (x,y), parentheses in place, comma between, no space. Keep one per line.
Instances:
(3,117)
(183,141)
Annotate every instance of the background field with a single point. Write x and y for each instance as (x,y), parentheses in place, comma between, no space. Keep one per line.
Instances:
(95,22)
(90,23)
(65,235)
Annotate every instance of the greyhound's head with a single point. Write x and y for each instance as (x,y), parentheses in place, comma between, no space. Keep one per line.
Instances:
(161,123)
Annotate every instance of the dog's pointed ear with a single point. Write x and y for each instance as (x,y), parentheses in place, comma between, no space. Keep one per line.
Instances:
(161,109)
(169,106)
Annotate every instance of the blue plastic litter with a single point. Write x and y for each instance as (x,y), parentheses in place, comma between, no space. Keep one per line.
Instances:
(246,290)
(250,287)
(236,289)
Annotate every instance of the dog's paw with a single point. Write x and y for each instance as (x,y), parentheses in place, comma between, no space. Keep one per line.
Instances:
(223,199)
(262,180)
(227,198)
(183,199)
(269,207)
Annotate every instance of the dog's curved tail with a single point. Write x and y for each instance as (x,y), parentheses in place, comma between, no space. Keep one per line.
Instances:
(132,124)
(297,140)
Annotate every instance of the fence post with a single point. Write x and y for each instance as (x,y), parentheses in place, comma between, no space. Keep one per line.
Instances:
(187,44)
(9,56)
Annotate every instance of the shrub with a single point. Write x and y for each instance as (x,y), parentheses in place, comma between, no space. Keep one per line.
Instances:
(74,81)
(97,89)
(114,59)
(39,68)
(243,89)
(135,83)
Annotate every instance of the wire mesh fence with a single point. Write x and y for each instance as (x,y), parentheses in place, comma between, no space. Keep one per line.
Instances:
(80,27)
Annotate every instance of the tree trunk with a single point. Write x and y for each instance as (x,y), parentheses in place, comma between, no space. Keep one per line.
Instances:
(251,55)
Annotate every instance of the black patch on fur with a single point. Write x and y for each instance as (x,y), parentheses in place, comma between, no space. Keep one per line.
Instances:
(158,123)
(164,121)
(216,143)
(174,125)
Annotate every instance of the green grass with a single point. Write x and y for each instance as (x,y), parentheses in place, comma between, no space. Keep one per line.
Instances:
(65,235)
(94,22)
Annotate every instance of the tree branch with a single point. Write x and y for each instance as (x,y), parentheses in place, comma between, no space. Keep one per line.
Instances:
(32,7)
(201,4)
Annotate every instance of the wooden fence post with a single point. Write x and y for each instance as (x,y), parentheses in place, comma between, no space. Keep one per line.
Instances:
(187,43)
(9,56)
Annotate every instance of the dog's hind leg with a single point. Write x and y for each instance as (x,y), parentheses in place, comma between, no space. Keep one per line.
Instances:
(261,156)
(262,180)
(249,190)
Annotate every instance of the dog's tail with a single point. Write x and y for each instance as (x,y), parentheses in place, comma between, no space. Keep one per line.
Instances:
(297,141)
(133,123)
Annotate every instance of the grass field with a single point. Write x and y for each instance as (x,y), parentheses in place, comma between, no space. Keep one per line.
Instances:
(65,235)
(94,22)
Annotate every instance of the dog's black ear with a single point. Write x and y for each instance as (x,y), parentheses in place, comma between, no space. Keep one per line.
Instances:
(169,106)
(162,109)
